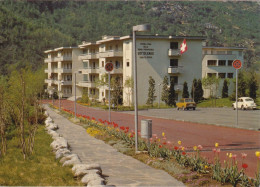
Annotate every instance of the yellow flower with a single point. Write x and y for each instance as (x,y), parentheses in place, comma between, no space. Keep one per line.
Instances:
(230,155)
(195,148)
(183,148)
(216,144)
(206,167)
(158,139)
(163,134)
(179,142)
(257,153)
(227,154)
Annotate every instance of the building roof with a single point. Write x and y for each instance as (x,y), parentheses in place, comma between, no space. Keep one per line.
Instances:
(164,37)
(85,44)
(232,48)
(61,48)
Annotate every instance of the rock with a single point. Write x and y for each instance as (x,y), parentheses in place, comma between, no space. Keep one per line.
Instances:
(53,134)
(86,167)
(82,172)
(62,152)
(48,120)
(91,177)
(68,157)
(59,143)
(52,126)
(46,113)
(97,182)
(74,160)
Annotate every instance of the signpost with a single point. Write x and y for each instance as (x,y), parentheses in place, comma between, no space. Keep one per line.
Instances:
(109,67)
(237,64)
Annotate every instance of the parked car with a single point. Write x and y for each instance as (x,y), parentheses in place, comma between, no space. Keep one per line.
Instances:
(244,103)
(186,104)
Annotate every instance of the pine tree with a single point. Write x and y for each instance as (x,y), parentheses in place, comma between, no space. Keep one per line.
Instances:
(225,89)
(253,86)
(185,92)
(165,90)
(199,90)
(194,85)
(172,94)
(241,89)
(151,92)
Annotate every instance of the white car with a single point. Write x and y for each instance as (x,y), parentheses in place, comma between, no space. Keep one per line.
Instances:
(244,103)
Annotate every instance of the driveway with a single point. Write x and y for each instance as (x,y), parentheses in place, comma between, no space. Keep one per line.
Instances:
(247,119)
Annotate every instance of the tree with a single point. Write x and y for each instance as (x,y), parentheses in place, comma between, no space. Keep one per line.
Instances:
(129,85)
(241,89)
(185,92)
(253,86)
(171,100)
(151,92)
(199,90)
(225,89)
(165,90)
(117,91)
(193,88)
(211,83)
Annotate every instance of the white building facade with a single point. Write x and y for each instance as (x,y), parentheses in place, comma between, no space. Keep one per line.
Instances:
(157,56)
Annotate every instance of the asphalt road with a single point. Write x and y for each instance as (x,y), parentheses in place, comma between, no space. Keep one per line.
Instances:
(231,140)
(247,119)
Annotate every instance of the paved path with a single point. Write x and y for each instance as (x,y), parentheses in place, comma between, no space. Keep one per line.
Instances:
(121,170)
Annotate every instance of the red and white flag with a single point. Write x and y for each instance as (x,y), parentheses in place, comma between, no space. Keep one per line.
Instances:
(183,47)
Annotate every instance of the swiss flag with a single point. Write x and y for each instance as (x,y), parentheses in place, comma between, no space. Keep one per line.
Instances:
(183,47)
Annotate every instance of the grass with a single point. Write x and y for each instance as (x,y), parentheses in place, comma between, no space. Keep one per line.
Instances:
(223,102)
(40,169)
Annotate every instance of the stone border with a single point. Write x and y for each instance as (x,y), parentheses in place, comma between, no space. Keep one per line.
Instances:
(90,174)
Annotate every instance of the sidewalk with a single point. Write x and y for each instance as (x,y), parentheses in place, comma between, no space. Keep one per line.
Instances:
(122,170)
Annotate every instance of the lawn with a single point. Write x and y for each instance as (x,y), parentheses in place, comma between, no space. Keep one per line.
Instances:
(40,169)
(223,102)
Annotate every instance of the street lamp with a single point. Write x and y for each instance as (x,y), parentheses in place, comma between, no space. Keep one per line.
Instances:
(137,28)
(75,102)
(60,82)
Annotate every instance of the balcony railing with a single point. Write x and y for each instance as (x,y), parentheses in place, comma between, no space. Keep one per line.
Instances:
(46,71)
(174,52)
(175,69)
(88,56)
(89,84)
(48,60)
(178,87)
(117,70)
(63,58)
(87,70)
(66,82)
(64,70)
(111,53)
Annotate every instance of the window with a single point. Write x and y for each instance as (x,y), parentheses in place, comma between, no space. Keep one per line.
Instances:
(222,75)
(212,62)
(85,77)
(230,75)
(173,62)
(211,74)
(127,64)
(84,51)
(175,79)
(174,45)
(222,63)
(102,63)
(116,47)
(117,65)
(240,53)
(230,62)
(221,52)
(102,94)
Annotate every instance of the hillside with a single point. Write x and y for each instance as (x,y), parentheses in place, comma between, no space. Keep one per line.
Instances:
(29,28)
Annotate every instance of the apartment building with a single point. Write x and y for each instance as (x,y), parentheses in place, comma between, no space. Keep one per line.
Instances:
(157,56)
(217,61)
(60,68)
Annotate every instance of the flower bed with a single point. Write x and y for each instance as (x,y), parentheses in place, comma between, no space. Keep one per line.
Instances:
(159,147)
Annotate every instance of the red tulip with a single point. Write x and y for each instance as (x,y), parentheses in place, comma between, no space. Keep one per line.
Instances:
(183,153)
(176,148)
(244,166)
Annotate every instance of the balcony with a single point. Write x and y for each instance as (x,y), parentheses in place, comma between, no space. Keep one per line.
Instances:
(46,71)
(111,53)
(178,87)
(66,94)
(48,60)
(64,70)
(48,81)
(87,70)
(63,58)
(175,69)
(89,84)
(117,70)
(88,56)
(174,52)
(66,82)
